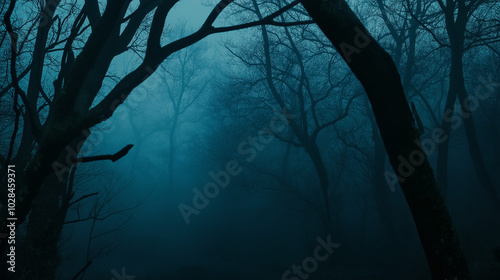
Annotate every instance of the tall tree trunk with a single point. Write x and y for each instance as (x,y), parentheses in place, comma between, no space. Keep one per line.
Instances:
(381,189)
(171,147)
(308,142)
(455,26)
(470,132)
(315,155)
(39,255)
(379,76)
(35,78)
(449,108)
(410,61)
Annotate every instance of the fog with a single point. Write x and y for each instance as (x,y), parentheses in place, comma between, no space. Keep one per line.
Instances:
(256,153)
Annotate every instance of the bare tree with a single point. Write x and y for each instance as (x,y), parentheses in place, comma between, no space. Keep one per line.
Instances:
(378,74)
(183,88)
(464,30)
(96,209)
(39,254)
(294,86)
(83,94)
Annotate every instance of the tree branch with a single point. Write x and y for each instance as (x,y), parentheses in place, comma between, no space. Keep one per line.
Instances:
(120,92)
(113,157)
(13,73)
(81,198)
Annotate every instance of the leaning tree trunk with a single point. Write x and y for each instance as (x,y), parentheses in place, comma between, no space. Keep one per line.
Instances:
(381,189)
(377,72)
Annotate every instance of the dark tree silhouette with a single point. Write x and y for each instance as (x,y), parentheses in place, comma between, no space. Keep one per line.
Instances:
(378,74)
(51,141)
(79,45)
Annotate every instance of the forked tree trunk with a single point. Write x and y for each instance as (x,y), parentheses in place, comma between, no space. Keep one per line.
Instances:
(457,88)
(456,19)
(471,135)
(377,72)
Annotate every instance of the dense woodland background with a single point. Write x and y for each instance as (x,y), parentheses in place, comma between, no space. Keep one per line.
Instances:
(276,104)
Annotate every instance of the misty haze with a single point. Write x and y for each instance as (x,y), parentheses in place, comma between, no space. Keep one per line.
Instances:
(250,139)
